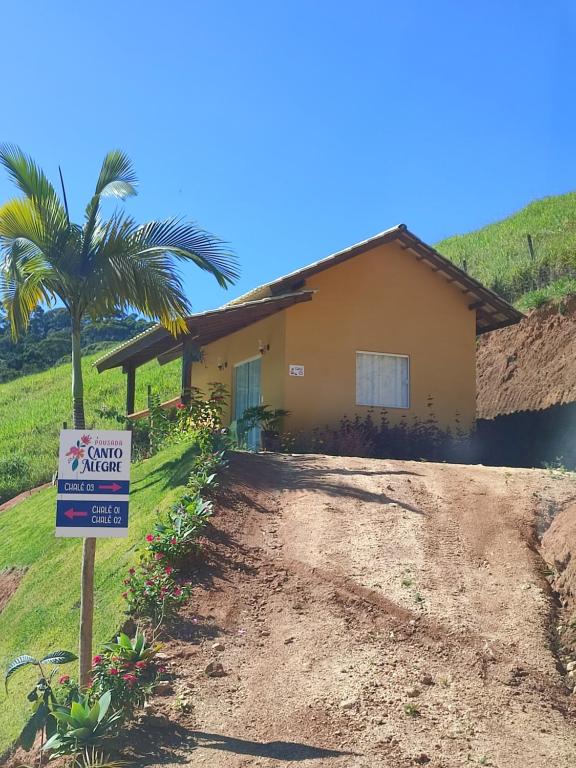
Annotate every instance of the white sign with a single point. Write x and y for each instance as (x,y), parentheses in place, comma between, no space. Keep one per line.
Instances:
(93,483)
(296,370)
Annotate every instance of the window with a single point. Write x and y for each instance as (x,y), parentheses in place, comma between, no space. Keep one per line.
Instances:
(382,380)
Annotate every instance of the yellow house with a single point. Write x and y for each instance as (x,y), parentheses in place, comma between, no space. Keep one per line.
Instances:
(387,323)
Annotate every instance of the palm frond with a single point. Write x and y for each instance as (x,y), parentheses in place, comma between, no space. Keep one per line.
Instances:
(32,181)
(24,283)
(187,242)
(117,176)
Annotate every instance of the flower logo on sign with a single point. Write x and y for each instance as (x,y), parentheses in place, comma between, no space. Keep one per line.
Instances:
(76,452)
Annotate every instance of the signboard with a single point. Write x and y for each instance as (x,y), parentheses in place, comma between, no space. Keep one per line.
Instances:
(93,483)
(296,370)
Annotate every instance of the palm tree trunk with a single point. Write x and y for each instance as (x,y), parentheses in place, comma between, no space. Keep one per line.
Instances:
(89,545)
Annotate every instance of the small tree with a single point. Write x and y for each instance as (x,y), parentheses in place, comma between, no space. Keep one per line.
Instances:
(95,268)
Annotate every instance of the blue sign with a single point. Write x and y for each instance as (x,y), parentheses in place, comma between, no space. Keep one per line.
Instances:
(80,514)
(93,483)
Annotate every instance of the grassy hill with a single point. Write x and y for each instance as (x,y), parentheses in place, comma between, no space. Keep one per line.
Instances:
(43,614)
(501,257)
(32,409)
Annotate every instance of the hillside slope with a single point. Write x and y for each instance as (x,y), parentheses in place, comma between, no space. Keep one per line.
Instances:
(499,254)
(32,409)
(369,613)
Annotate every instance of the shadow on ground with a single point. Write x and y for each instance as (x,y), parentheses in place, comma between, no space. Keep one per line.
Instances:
(279,750)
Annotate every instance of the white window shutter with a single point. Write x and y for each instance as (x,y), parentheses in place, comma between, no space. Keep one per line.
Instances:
(382,380)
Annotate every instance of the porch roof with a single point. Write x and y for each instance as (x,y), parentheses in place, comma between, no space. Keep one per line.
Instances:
(204,328)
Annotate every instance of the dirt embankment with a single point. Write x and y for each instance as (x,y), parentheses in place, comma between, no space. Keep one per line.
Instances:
(559,550)
(528,366)
(370,613)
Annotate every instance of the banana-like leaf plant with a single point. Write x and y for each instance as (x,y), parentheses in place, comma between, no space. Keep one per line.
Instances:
(41,697)
(94,268)
(134,650)
(81,725)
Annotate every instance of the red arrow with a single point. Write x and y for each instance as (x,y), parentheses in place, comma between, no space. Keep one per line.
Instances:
(72,513)
(113,487)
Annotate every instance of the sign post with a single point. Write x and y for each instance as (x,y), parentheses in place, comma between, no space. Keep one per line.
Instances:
(93,483)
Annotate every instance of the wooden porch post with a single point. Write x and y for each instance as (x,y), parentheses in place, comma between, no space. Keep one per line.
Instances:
(188,348)
(130,371)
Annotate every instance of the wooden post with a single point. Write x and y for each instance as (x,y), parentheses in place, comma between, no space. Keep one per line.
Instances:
(130,371)
(188,349)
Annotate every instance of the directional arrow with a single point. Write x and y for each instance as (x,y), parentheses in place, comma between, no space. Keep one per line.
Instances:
(112,487)
(72,513)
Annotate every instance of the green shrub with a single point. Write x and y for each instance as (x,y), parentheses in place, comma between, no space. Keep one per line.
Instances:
(127,669)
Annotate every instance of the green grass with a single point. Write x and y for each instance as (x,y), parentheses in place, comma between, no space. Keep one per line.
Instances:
(43,614)
(499,256)
(33,408)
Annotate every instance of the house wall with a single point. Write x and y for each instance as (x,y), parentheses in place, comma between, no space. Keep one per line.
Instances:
(384,300)
(241,346)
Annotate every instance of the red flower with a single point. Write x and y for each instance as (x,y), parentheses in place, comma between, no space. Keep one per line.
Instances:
(96,660)
(140,665)
(173,540)
(149,537)
(130,679)
(180,406)
(158,555)
(64,679)
(112,671)
(168,569)
(177,592)
(149,583)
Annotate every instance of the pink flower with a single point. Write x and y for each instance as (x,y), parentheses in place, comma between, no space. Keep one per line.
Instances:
(140,665)
(168,569)
(180,406)
(112,671)
(158,555)
(177,592)
(173,541)
(161,670)
(96,660)
(86,439)
(149,583)
(76,452)
(64,679)
(149,537)
(130,679)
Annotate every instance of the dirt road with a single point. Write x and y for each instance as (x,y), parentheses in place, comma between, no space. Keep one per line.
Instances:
(371,614)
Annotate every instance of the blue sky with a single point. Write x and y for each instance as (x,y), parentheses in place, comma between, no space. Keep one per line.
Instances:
(293,129)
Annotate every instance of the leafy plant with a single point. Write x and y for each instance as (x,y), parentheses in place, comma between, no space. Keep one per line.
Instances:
(153,592)
(411,710)
(126,668)
(41,696)
(82,724)
(92,758)
(177,536)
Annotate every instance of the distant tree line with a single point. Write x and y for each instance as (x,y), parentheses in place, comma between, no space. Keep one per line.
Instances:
(47,342)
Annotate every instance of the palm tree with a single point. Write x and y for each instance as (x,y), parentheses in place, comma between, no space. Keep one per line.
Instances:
(102,266)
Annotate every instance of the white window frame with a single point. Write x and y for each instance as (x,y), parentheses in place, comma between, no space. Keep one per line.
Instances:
(384,354)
